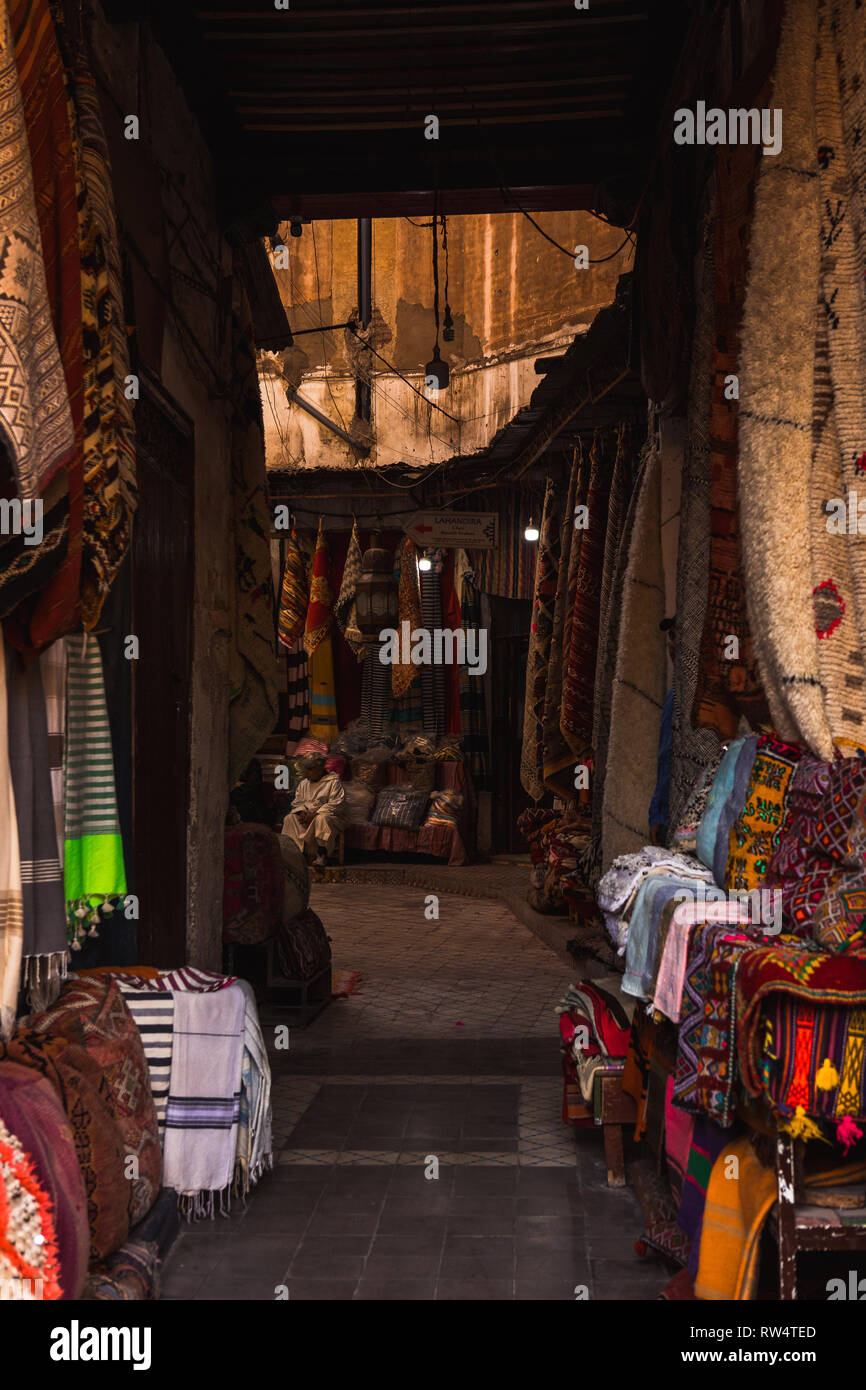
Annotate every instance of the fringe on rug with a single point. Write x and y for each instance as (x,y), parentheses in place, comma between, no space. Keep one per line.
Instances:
(202,1206)
(43,979)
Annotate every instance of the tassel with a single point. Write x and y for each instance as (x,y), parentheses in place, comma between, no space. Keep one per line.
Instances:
(847,1133)
(828,1077)
(801,1127)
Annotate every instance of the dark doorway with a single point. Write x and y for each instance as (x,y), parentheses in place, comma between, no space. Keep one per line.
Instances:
(509,647)
(162,594)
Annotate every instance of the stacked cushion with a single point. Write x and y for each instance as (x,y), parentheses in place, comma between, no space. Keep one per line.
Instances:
(85,1096)
(94,1012)
(401,807)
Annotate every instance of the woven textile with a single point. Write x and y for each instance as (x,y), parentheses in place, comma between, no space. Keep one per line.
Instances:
(203,1112)
(840,117)
(94,1012)
(34,405)
(706,1056)
(93,866)
(584,602)
(541,630)
(728,684)
(610,600)
(835,1028)
(252,884)
(323,692)
(776,408)
(408,611)
(86,1098)
(756,832)
(45,944)
(254,1153)
(346,607)
(558,759)
(154,1018)
(733,1220)
(693,748)
(684,838)
(319,609)
(473,713)
(11,901)
(639,684)
(129,1275)
(707,1141)
(110,494)
(30,1109)
(50,137)
(433,712)
(734,811)
(508,571)
(52,666)
(303,946)
(297,694)
(294,596)
(401,807)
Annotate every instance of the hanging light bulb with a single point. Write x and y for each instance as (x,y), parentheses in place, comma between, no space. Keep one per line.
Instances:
(425,564)
(531,532)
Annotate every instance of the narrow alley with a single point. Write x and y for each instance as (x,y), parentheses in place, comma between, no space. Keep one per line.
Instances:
(448,1051)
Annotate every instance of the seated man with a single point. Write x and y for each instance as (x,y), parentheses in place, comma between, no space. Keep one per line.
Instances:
(318,810)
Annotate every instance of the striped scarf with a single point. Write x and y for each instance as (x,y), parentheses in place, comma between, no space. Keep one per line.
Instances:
(297,693)
(432,677)
(93,854)
(44,916)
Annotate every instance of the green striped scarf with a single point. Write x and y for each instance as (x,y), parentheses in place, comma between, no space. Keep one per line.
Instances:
(94,873)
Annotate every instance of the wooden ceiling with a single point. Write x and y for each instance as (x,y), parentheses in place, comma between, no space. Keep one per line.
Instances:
(320,108)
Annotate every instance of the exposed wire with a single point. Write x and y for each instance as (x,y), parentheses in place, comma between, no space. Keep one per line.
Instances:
(324,346)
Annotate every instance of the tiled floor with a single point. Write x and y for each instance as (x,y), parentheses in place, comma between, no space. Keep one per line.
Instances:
(419,1148)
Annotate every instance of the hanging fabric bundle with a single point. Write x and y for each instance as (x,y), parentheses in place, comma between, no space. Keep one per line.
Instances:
(45,946)
(294,595)
(346,607)
(473,717)
(408,611)
(317,641)
(546,566)
(94,874)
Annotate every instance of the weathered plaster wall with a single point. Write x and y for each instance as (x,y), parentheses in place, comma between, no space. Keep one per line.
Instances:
(192,374)
(512,296)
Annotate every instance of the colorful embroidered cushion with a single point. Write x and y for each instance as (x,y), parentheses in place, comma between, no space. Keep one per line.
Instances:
(684,837)
(30,1109)
(757,830)
(821,851)
(86,1098)
(723,783)
(111,1037)
(400,806)
(28,1244)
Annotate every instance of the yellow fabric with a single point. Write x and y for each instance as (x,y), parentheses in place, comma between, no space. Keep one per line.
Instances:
(751,835)
(735,1212)
(734,1216)
(323,693)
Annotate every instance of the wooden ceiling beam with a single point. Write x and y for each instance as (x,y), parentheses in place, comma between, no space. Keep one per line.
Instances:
(470,121)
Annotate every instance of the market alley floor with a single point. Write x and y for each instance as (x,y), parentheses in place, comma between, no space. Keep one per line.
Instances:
(447,1056)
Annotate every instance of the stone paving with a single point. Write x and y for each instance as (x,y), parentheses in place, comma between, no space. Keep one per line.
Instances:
(446,1062)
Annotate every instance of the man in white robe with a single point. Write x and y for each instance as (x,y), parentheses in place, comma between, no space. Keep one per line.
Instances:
(318,811)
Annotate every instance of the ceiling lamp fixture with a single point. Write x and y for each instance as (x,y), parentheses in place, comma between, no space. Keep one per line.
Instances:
(436,374)
(425,564)
(531,532)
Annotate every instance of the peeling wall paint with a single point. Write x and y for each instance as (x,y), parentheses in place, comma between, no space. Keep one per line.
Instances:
(513,296)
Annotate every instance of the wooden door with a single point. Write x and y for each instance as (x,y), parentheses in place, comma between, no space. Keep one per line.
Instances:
(162,598)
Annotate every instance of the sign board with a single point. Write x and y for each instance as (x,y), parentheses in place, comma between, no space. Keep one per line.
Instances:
(473,530)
